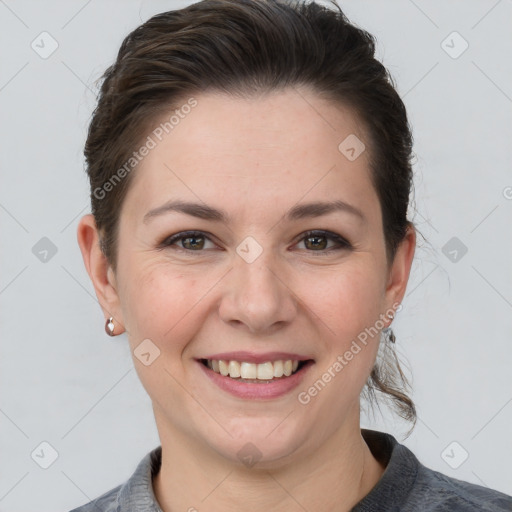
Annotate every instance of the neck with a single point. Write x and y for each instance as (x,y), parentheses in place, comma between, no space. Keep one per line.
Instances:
(331,477)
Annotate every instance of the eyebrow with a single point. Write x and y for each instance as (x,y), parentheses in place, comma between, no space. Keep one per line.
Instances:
(300,211)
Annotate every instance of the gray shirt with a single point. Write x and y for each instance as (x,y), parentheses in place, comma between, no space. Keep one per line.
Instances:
(405,486)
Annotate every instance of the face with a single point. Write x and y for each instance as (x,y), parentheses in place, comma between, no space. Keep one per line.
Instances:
(272,280)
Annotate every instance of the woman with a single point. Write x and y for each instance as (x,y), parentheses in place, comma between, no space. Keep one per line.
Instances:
(250,174)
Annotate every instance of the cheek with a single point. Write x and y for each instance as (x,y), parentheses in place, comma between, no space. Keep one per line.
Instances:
(157,301)
(159,306)
(348,315)
(165,304)
(348,301)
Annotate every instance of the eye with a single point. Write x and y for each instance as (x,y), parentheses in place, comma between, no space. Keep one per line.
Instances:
(193,241)
(316,241)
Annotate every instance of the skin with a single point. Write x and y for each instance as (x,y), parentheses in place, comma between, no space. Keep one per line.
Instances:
(255,159)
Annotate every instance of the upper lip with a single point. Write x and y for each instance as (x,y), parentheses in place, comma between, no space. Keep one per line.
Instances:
(253,357)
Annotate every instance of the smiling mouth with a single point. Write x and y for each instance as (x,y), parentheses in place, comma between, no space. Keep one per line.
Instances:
(269,371)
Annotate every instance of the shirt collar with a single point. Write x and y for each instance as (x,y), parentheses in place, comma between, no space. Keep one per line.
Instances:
(397,481)
(137,495)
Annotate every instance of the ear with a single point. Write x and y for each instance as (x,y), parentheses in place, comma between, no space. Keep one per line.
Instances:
(99,270)
(400,269)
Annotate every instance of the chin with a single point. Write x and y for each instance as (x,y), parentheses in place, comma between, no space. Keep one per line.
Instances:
(261,443)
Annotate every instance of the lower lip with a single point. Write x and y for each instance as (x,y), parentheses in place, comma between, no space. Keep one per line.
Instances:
(263,390)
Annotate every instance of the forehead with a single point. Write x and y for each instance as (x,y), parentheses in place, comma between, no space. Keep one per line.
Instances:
(261,152)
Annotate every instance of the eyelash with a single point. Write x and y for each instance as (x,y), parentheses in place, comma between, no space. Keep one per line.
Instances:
(342,243)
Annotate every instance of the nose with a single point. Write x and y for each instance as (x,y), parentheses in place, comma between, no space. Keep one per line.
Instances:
(257,296)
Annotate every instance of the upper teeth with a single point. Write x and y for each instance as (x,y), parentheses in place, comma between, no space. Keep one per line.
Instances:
(263,371)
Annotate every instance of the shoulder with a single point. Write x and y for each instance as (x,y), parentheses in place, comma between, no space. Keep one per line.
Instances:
(107,502)
(407,485)
(133,495)
(442,493)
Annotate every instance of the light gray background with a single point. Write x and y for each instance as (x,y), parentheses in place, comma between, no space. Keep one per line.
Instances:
(65,382)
